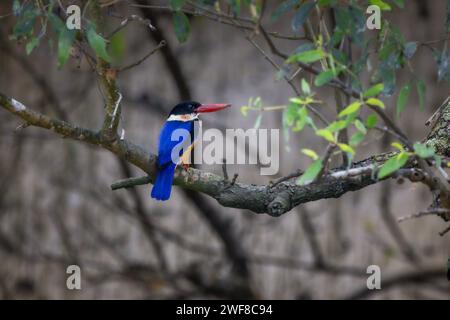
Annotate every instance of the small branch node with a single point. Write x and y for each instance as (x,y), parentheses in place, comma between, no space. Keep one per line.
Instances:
(295,174)
(224,169)
(21,127)
(443,232)
(233,181)
(437,212)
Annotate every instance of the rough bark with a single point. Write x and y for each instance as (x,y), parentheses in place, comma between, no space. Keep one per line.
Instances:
(274,201)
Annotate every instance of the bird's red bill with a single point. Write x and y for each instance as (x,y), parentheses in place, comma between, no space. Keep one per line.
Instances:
(213,107)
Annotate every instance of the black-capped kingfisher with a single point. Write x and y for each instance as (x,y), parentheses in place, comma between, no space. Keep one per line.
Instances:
(182,116)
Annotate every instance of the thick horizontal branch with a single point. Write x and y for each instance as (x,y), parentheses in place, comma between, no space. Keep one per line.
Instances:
(123,148)
(273,200)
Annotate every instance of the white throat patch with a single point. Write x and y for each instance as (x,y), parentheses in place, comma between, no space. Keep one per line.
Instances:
(183,117)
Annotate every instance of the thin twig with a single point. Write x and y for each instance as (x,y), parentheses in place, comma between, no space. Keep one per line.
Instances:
(159,46)
(22,126)
(295,174)
(129,19)
(385,129)
(326,159)
(437,212)
(224,169)
(221,18)
(443,232)
(233,181)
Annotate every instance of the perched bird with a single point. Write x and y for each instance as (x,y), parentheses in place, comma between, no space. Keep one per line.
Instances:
(182,116)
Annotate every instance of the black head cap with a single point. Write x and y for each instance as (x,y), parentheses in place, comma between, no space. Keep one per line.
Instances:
(186,107)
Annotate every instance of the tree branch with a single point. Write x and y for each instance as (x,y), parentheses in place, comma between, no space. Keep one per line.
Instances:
(273,200)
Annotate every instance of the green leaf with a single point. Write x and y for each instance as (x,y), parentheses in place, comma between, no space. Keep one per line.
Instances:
(360,126)
(375,102)
(33,43)
(311,173)
(310,153)
(389,79)
(337,126)
(323,3)
(351,108)
(398,146)
(356,138)
(383,5)
(399,3)
(305,87)
(307,56)
(97,43)
(339,56)
(421,91)
(403,98)
(181,26)
(303,101)
(393,164)
(304,47)
(257,103)
(235,7)
(438,161)
(327,135)
(291,113)
(374,91)
(244,110)
(350,118)
(423,151)
(301,15)
(117,46)
(303,119)
(56,23)
(326,76)
(25,23)
(258,121)
(66,38)
(346,148)
(371,121)
(310,122)
(65,42)
(176,4)
(283,8)
(403,158)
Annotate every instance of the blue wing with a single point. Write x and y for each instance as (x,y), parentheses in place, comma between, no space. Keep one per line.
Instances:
(163,183)
(166,167)
(166,143)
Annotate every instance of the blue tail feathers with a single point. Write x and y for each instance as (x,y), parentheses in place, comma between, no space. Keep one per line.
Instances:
(163,184)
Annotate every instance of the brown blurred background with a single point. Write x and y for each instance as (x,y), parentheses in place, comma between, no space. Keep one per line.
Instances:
(57,208)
